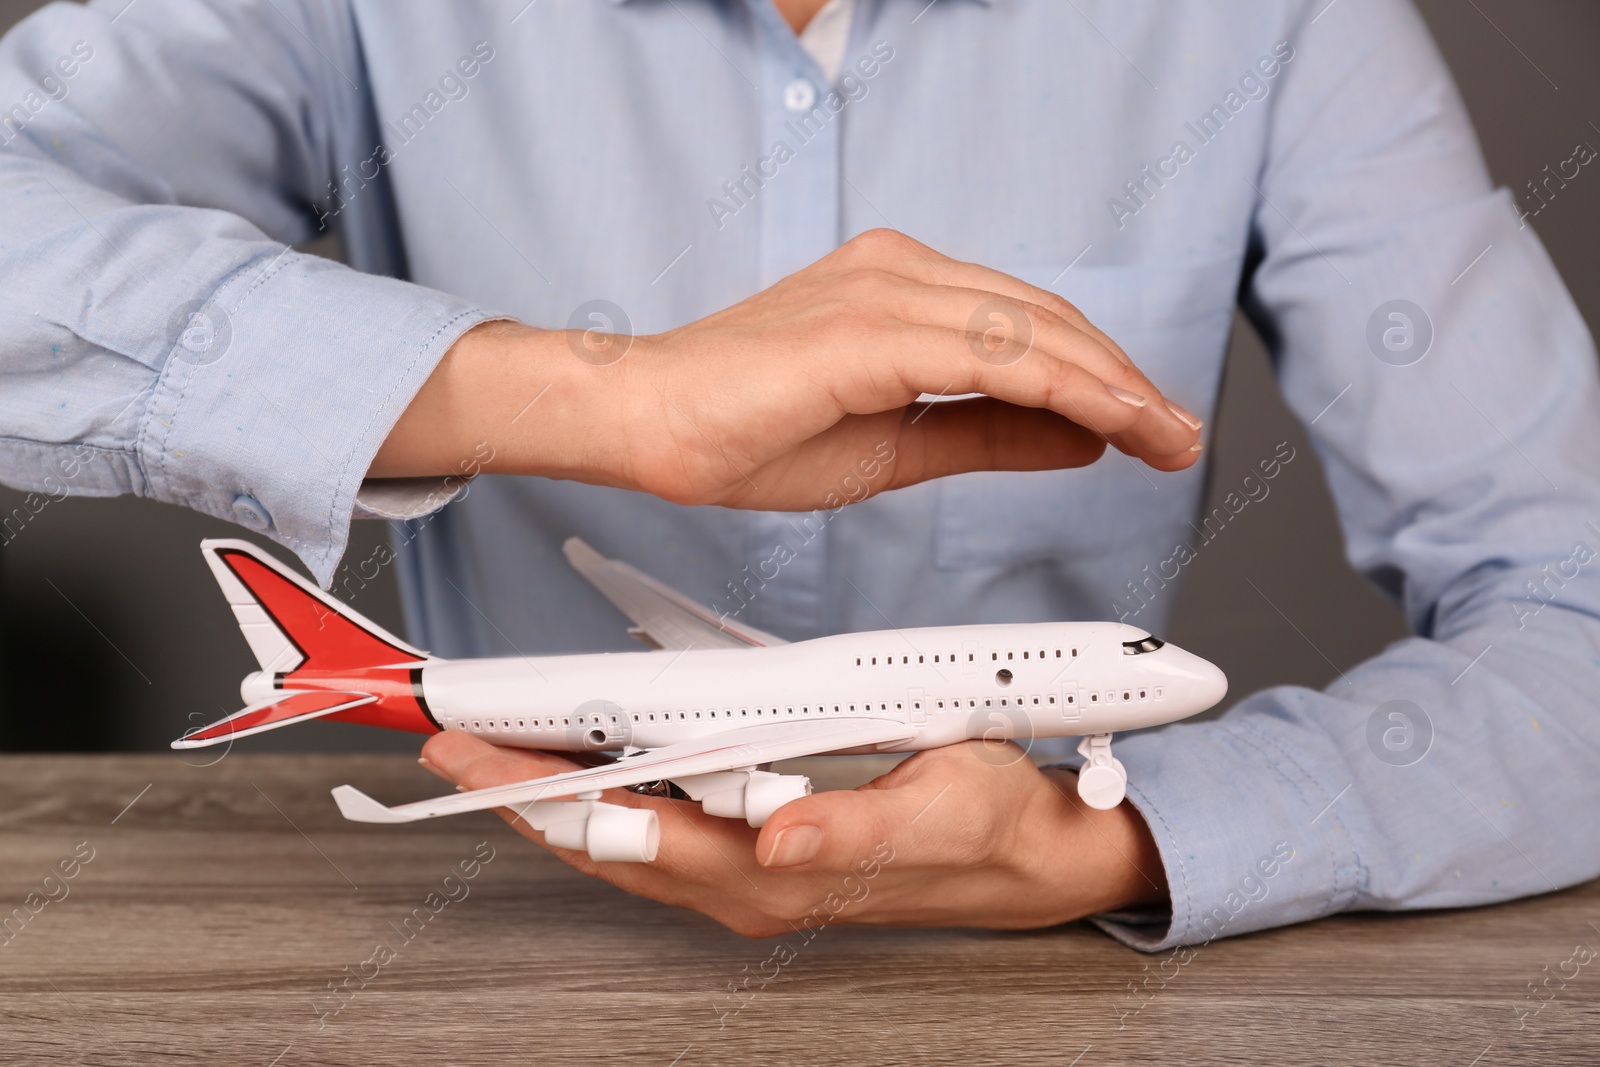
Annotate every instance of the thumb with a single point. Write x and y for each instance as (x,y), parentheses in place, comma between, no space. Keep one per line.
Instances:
(839,829)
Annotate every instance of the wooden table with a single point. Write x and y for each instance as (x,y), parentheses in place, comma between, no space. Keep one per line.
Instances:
(222,902)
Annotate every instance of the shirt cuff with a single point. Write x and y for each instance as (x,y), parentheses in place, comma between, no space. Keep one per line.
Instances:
(273,421)
(405,498)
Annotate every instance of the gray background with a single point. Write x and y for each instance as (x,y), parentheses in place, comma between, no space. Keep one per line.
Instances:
(112,635)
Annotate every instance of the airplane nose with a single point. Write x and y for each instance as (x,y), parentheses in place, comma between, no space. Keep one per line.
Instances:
(1202,681)
(1213,686)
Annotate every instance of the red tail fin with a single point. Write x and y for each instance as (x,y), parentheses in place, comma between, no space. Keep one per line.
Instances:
(318,658)
(293,625)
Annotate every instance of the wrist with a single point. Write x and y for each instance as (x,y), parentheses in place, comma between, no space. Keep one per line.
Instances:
(517,390)
(1099,860)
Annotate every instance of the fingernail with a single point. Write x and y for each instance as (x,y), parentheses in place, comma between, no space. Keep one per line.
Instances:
(794,846)
(1198,446)
(1184,416)
(1126,397)
(433,768)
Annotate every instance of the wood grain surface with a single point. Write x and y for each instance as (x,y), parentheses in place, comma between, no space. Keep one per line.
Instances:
(223,901)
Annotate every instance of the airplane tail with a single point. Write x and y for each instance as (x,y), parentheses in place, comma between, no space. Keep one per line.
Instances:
(290,623)
(304,641)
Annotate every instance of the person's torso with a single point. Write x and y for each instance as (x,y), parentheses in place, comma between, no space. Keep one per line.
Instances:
(674,158)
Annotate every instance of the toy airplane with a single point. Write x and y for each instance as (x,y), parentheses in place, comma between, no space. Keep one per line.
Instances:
(706,711)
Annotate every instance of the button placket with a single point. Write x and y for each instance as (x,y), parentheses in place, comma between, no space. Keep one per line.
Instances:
(799,208)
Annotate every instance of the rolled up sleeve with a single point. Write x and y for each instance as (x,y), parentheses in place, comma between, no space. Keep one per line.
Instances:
(159,335)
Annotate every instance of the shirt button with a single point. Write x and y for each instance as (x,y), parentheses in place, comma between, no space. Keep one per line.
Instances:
(248,512)
(799,95)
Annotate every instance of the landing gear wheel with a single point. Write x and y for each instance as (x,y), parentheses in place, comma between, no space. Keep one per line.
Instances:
(1102,781)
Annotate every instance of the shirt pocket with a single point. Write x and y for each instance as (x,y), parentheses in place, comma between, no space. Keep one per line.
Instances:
(1173,321)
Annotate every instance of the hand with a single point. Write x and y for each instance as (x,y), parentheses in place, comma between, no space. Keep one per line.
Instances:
(776,401)
(970,835)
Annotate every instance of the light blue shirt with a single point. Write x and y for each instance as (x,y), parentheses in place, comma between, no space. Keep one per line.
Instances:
(1155,163)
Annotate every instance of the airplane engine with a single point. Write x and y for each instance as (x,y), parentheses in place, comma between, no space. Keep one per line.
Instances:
(767,792)
(754,801)
(608,832)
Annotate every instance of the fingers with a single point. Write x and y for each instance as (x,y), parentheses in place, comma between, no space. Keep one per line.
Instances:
(699,857)
(980,277)
(1004,324)
(915,260)
(760,405)
(928,359)
(473,763)
(1006,331)
(1180,461)
(835,829)
(935,810)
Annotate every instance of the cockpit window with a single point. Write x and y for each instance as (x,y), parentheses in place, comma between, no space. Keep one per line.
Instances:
(1143,645)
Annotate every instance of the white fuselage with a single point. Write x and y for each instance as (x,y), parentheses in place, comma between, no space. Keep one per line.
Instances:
(1019,681)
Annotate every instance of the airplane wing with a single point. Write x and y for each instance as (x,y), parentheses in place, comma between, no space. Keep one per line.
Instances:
(662,614)
(745,746)
(284,709)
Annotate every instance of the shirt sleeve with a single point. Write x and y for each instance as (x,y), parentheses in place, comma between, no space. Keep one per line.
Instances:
(159,335)
(1449,384)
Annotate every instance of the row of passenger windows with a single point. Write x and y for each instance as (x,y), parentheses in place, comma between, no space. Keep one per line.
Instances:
(684,715)
(807,710)
(1128,695)
(1004,702)
(937,657)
